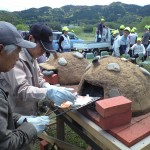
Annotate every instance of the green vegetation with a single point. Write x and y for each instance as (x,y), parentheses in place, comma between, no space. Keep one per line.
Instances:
(70,137)
(87,17)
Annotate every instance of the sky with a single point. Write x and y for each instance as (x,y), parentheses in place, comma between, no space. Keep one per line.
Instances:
(18,5)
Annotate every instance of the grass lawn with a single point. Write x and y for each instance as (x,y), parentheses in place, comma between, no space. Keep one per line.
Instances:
(70,137)
(86,36)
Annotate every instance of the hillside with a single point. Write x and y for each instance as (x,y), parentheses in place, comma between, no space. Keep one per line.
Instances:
(115,12)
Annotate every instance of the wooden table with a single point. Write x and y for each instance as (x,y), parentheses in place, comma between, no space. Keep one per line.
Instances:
(93,134)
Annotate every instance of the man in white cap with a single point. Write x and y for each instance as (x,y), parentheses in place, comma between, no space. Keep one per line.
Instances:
(15,132)
(25,82)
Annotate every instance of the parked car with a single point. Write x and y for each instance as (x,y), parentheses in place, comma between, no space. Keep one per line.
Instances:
(73,39)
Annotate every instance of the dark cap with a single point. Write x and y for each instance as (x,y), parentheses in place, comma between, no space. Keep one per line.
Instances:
(10,35)
(42,33)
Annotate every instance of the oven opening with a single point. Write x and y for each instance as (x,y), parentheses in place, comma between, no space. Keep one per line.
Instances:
(91,90)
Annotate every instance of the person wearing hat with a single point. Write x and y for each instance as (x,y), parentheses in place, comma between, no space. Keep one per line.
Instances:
(64,41)
(135,29)
(25,82)
(132,39)
(116,36)
(122,43)
(146,37)
(121,28)
(15,133)
(137,49)
(100,28)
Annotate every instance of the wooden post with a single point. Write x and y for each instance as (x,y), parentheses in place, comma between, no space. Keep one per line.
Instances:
(60,129)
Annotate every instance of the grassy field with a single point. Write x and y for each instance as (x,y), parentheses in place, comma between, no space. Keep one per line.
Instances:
(91,36)
(87,36)
(70,137)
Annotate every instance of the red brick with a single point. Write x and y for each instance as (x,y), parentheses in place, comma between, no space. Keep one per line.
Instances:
(145,122)
(112,106)
(52,79)
(116,130)
(141,117)
(133,134)
(115,120)
(44,145)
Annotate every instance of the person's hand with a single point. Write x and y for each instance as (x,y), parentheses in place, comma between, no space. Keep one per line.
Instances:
(60,94)
(39,123)
(22,118)
(57,87)
(39,128)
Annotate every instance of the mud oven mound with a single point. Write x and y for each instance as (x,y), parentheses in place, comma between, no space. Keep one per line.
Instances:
(71,69)
(128,81)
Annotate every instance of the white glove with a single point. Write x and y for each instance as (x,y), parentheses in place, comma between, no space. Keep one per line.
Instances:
(60,94)
(22,118)
(47,85)
(39,123)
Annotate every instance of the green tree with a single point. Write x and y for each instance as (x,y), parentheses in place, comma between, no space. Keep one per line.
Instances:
(22,27)
(144,21)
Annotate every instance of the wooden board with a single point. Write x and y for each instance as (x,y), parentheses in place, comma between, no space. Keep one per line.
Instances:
(105,138)
(59,143)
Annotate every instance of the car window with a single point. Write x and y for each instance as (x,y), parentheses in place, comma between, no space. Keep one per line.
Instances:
(56,35)
(71,36)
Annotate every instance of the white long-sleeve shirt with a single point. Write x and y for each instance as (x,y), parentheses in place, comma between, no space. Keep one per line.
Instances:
(121,41)
(138,48)
(132,38)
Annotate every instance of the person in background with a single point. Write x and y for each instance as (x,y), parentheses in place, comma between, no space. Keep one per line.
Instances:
(148,50)
(132,39)
(25,82)
(112,41)
(146,37)
(15,133)
(100,28)
(64,41)
(122,43)
(135,30)
(116,36)
(121,29)
(137,49)
(42,58)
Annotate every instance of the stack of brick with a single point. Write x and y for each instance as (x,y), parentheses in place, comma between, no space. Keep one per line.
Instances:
(114,112)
